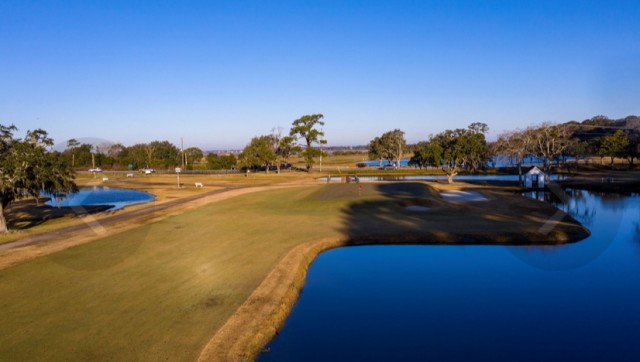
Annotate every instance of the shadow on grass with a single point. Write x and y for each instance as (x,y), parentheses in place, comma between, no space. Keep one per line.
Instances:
(414,212)
(26,214)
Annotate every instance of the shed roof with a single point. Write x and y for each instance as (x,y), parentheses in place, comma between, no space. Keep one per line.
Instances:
(534,170)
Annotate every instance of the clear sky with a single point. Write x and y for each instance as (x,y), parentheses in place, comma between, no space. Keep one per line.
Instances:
(219,72)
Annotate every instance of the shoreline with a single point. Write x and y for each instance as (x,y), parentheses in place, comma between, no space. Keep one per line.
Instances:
(257,321)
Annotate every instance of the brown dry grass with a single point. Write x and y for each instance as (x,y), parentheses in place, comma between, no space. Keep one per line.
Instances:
(244,257)
(50,222)
(497,221)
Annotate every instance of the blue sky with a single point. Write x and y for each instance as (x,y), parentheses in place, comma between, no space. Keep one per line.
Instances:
(219,72)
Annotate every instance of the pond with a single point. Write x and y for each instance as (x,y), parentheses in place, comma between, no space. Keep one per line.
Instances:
(483,303)
(119,198)
(554,177)
(376,163)
(496,161)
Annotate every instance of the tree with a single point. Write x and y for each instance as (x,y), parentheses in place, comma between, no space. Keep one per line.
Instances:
(517,145)
(458,149)
(426,153)
(223,162)
(304,127)
(633,149)
(137,155)
(451,156)
(479,127)
(149,149)
(72,144)
(79,155)
(286,147)
(550,142)
(193,155)
(614,145)
(476,145)
(113,154)
(163,154)
(259,152)
(376,150)
(393,144)
(27,168)
(578,149)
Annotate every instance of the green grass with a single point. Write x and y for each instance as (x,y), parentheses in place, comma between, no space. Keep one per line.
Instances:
(158,291)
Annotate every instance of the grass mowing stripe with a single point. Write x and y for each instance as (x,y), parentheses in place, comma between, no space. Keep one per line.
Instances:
(163,298)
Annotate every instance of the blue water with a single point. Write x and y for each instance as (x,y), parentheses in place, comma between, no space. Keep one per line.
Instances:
(442,177)
(496,161)
(481,303)
(118,198)
(376,163)
(554,177)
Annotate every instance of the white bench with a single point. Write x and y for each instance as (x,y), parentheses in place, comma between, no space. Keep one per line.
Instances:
(199,184)
(105,179)
(129,175)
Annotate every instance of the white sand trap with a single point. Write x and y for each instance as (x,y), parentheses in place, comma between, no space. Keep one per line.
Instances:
(462,196)
(416,208)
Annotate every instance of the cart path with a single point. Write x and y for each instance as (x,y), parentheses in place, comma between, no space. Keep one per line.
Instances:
(91,223)
(22,250)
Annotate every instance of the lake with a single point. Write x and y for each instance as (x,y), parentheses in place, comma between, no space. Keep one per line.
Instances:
(119,198)
(496,161)
(483,303)
(376,163)
(554,177)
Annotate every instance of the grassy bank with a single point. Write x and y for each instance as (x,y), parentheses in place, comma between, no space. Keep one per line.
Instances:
(156,292)
(160,291)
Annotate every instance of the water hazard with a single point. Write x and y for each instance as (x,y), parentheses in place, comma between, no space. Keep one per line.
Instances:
(116,197)
(482,303)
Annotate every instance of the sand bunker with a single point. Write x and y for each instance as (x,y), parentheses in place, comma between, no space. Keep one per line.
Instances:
(465,196)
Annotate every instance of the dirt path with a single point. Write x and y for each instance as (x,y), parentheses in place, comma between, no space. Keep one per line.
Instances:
(91,229)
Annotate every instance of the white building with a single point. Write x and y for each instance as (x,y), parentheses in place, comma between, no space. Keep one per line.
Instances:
(534,178)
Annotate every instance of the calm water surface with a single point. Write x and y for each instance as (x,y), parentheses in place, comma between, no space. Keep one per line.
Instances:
(497,161)
(116,197)
(480,303)
(554,177)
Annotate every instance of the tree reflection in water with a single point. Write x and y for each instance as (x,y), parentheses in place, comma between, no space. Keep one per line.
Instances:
(576,203)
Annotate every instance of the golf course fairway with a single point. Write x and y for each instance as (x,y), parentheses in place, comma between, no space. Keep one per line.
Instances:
(163,290)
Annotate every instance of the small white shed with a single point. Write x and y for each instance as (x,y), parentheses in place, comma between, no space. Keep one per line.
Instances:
(534,178)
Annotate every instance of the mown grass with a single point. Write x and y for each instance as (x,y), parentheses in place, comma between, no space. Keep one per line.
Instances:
(159,291)
(27,219)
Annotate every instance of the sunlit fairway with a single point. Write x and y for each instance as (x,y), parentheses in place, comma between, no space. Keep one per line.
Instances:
(161,291)
(27,219)
(157,292)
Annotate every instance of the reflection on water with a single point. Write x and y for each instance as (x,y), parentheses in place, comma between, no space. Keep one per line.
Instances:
(580,204)
(450,303)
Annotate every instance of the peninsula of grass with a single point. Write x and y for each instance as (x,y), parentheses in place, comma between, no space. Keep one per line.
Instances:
(235,267)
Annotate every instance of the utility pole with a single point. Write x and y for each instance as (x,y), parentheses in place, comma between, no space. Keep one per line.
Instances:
(321,139)
(182,150)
